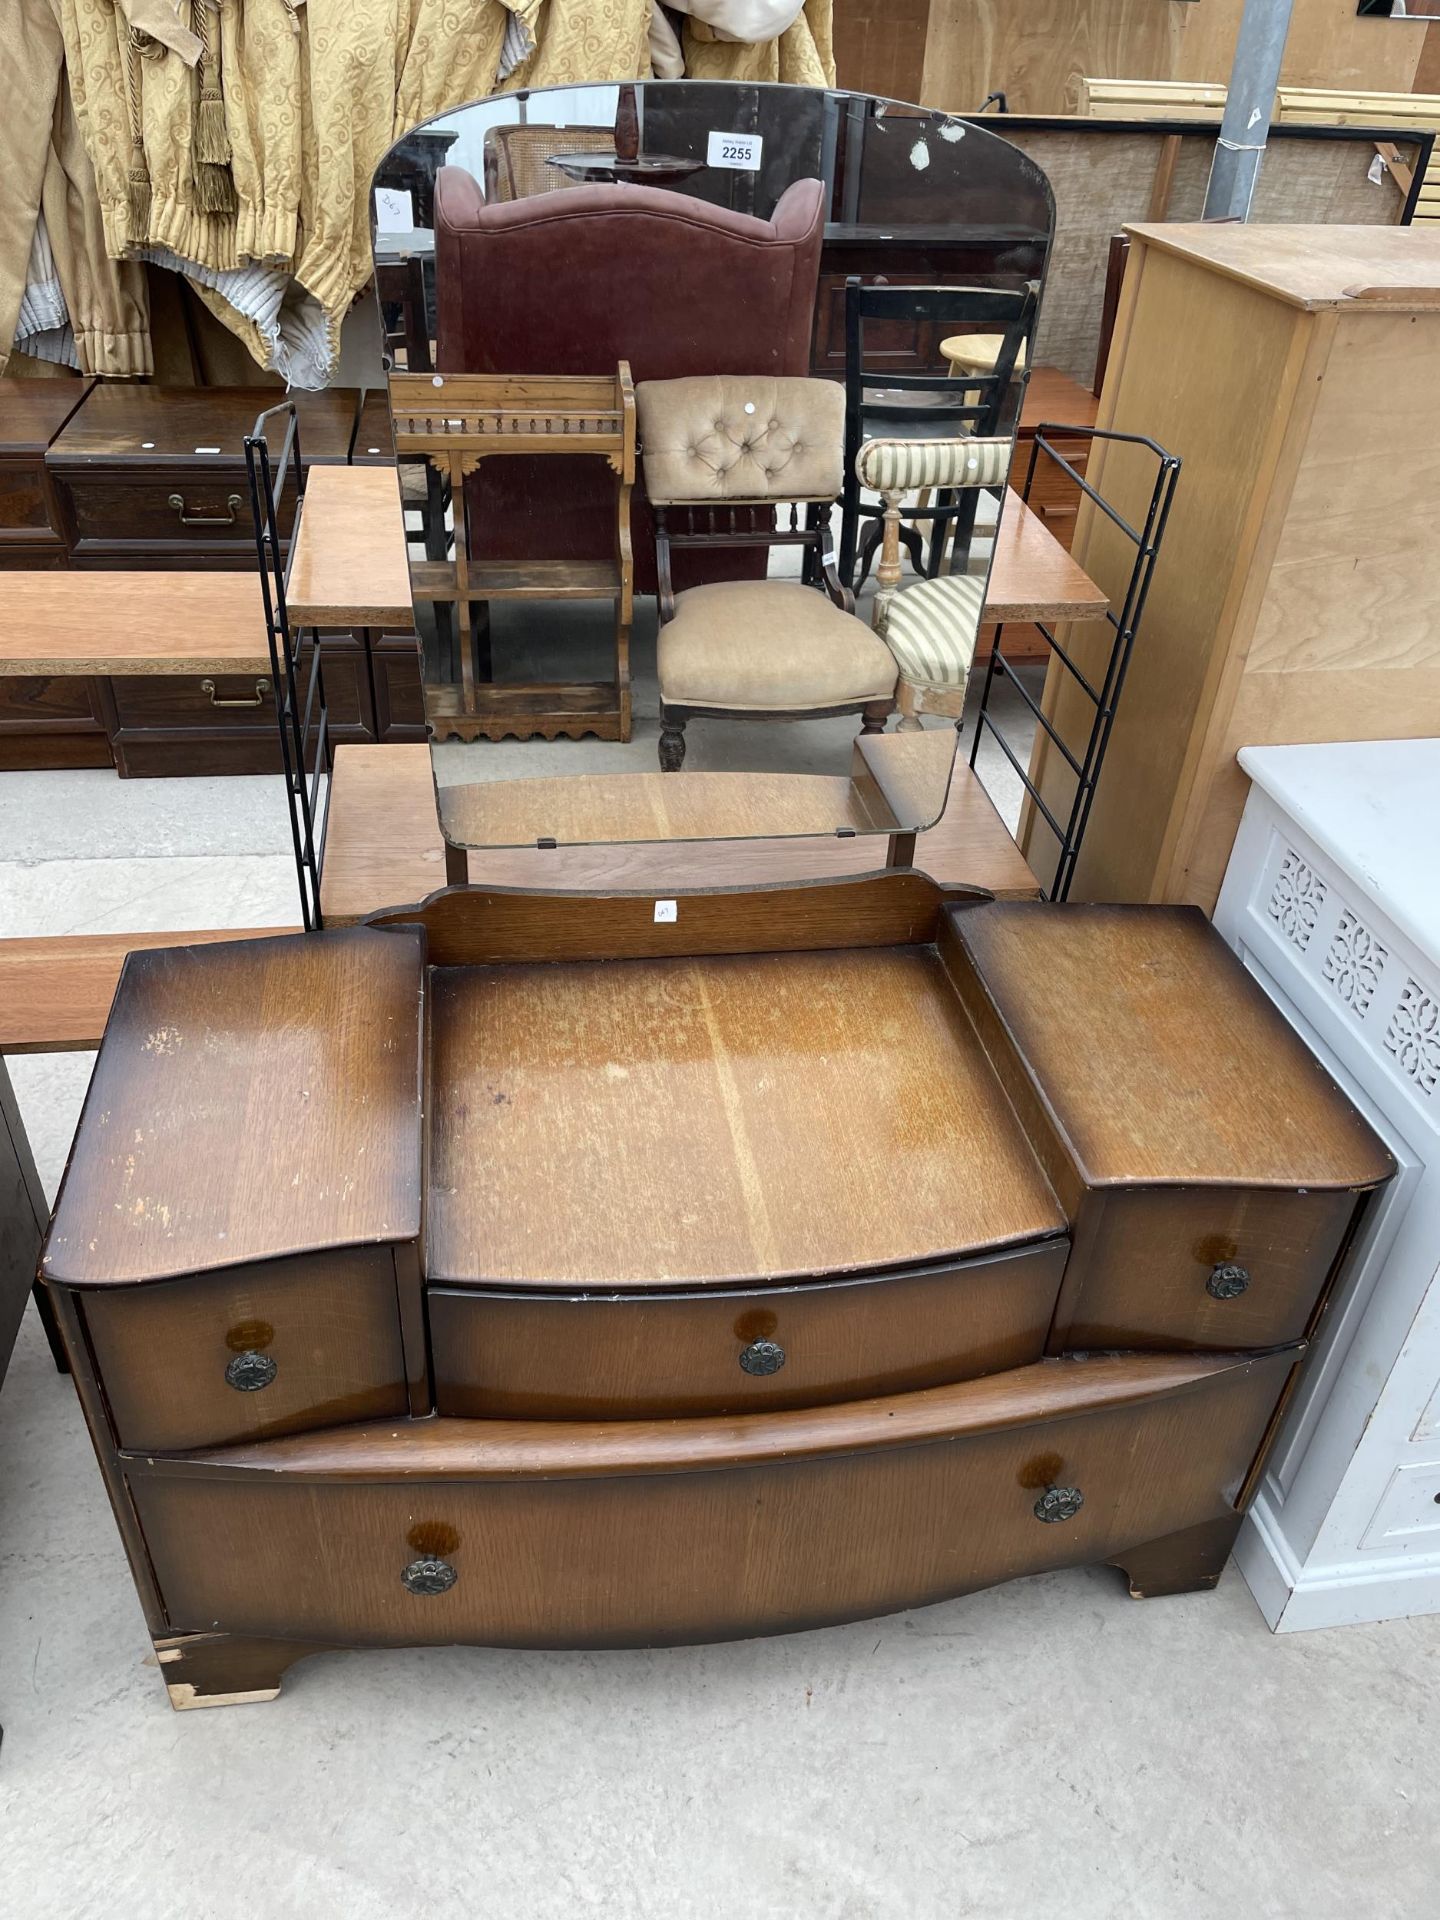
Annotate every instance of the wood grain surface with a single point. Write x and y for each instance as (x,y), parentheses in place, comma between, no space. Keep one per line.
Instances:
(1033,577)
(1159,1058)
(1312,267)
(135,427)
(385,849)
(568,1535)
(614,1356)
(56,990)
(349,565)
(81,622)
(249,1101)
(32,412)
(660,1122)
(470,927)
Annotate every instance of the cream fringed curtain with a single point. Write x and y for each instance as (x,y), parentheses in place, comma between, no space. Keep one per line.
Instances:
(234,140)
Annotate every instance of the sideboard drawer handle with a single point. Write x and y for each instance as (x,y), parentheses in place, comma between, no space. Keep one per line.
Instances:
(1059,1503)
(262,687)
(763,1356)
(429,1576)
(1227,1281)
(249,1372)
(177,500)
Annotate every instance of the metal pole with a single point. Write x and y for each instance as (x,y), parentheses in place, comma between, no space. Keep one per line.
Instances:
(1259,49)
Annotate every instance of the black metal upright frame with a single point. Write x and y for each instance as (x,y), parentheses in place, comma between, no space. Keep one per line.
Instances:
(1106,696)
(302,716)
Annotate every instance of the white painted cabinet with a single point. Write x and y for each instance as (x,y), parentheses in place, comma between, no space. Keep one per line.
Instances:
(1332,899)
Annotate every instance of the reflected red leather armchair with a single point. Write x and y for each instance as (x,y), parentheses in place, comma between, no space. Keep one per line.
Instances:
(574,282)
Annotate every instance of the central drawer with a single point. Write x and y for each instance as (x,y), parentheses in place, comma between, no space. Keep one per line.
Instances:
(618,1355)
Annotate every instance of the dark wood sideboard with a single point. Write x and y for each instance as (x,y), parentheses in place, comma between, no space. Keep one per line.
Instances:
(113,475)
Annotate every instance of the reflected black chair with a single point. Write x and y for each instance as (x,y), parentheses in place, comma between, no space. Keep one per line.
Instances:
(881,404)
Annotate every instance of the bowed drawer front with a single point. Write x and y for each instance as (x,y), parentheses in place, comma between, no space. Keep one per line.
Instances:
(568,1357)
(558,1534)
(251,1351)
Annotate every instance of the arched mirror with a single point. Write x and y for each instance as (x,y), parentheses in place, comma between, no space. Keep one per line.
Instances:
(704,399)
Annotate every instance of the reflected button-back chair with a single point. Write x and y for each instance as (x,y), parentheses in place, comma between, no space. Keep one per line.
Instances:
(721,454)
(931,628)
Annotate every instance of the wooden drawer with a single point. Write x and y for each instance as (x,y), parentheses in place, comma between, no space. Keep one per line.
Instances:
(164,724)
(1199,1269)
(618,1356)
(166,516)
(644,1533)
(55,703)
(234,700)
(251,1351)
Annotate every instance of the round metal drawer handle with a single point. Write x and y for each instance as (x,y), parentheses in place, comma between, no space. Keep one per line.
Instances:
(763,1356)
(249,1372)
(1227,1281)
(429,1576)
(1059,1503)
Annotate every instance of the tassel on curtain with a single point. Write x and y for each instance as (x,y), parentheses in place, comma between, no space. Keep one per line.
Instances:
(210,137)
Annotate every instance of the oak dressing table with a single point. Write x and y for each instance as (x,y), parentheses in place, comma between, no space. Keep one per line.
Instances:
(525,1269)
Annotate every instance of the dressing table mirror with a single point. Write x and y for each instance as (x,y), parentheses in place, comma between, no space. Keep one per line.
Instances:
(696,507)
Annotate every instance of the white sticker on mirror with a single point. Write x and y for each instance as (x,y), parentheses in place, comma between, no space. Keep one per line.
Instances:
(664,910)
(738,150)
(394,210)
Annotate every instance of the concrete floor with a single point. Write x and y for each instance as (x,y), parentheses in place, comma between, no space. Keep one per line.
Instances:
(1049,1748)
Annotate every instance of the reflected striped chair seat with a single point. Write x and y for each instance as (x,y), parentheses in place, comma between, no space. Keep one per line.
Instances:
(932,628)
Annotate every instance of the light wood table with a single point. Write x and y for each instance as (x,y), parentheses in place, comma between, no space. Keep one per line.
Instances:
(384,847)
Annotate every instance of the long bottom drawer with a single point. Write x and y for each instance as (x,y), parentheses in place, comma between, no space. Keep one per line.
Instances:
(520,1533)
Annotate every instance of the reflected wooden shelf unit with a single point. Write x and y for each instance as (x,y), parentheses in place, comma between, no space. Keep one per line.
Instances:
(454,422)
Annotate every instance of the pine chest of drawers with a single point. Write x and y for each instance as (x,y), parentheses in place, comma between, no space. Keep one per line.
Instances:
(521,1270)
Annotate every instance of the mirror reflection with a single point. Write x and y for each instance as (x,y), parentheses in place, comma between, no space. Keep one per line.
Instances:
(704,399)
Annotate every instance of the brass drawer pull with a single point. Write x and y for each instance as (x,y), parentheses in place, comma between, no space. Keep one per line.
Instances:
(249,1372)
(1227,1281)
(262,687)
(429,1576)
(177,500)
(762,1357)
(1059,1503)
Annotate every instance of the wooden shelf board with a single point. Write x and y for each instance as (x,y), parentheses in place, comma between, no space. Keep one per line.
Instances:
(55,993)
(75,622)
(517,580)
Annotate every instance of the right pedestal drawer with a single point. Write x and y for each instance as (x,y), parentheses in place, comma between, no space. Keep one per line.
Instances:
(636,1533)
(563,1356)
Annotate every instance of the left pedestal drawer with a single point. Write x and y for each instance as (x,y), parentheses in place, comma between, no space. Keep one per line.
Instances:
(249,1352)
